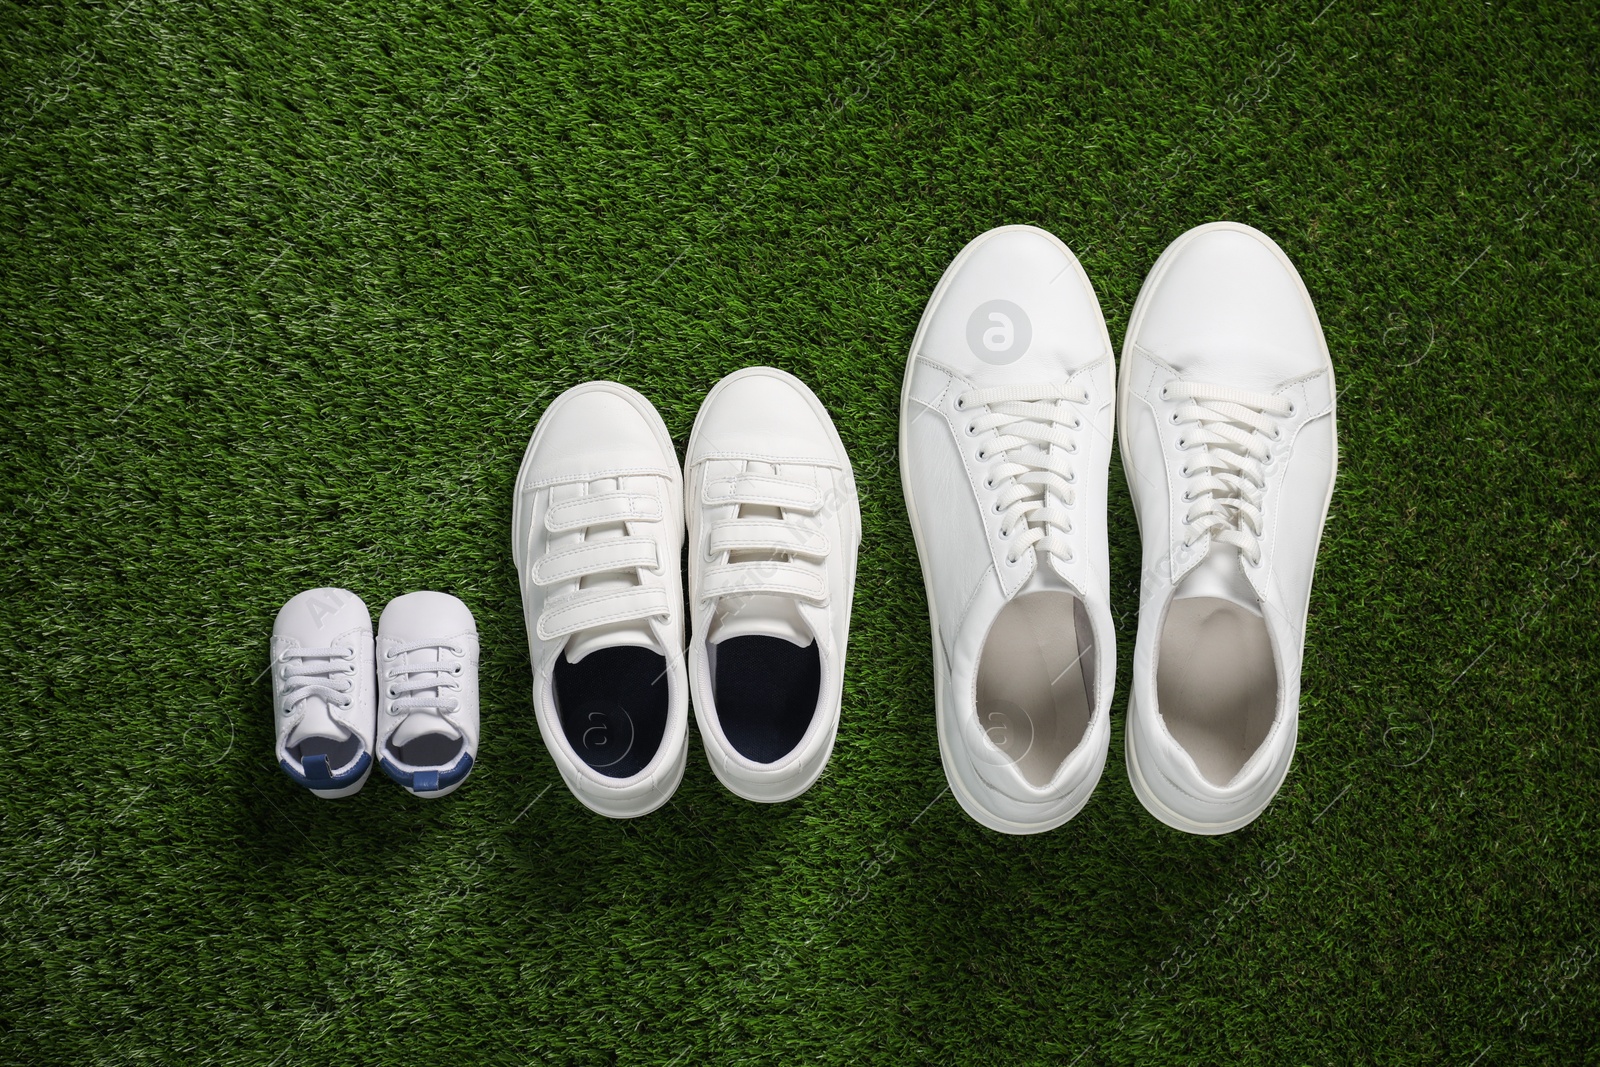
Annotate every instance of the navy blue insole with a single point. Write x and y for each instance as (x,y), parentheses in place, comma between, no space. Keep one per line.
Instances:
(613,707)
(766,690)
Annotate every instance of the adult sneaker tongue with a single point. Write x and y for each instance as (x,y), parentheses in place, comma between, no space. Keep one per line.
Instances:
(760,615)
(1219,575)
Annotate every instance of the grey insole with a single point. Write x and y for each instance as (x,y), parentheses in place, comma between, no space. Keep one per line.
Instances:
(339,753)
(1036,682)
(1216,684)
(428,750)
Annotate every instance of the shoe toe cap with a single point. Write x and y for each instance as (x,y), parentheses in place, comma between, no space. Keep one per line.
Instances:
(1230,309)
(595,429)
(1016,306)
(763,413)
(317,616)
(425,614)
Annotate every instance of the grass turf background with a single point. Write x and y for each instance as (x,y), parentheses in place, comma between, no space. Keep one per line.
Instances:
(284,288)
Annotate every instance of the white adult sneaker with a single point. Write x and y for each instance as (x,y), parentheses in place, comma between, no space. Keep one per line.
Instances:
(596,533)
(774,529)
(1227,422)
(1005,441)
(427,658)
(322,692)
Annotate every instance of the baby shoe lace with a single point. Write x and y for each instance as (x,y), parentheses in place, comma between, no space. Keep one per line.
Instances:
(421,685)
(303,679)
(1233,429)
(1032,433)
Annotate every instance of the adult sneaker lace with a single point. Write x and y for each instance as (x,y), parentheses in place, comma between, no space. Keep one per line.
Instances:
(303,679)
(1032,427)
(1233,429)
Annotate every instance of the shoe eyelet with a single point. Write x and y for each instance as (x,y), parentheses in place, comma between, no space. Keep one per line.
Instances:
(988,483)
(392,694)
(1164,392)
(1173,418)
(981,456)
(961,404)
(972,429)
(1183,444)
(457,672)
(1183,472)
(454,651)
(1188,497)
(1292,409)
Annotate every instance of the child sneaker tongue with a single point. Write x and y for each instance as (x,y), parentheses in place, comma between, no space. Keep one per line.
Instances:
(635,632)
(760,614)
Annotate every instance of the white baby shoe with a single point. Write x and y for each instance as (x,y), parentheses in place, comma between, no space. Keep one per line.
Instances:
(322,691)
(427,662)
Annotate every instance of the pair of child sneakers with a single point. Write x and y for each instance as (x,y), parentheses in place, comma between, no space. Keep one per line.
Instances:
(408,701)
(598,528)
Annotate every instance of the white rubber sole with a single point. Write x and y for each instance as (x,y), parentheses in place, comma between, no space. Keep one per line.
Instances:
(1141,788)
(437,793)
(964,792)
(651,801)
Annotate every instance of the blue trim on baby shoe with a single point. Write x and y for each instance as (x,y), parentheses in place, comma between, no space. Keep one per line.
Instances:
(427,780)
(316,775)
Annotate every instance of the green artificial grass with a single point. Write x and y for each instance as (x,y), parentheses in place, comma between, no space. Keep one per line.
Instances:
(284,288)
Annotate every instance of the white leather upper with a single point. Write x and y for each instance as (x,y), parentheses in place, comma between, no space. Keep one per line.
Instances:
(445,625)
(599,454)
(323,619)
(1223,306)
(960,537)
(763,438)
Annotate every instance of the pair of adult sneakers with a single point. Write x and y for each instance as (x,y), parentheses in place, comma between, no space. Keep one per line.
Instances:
(410,700)
(774,529)
(1225,410)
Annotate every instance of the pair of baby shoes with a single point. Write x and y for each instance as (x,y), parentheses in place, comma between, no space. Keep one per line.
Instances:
(408,701)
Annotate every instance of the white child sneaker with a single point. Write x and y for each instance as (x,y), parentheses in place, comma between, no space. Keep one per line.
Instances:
(1005,442)
(322,692)
(597,533)
(427,659)
(774,531)
(1227,424)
